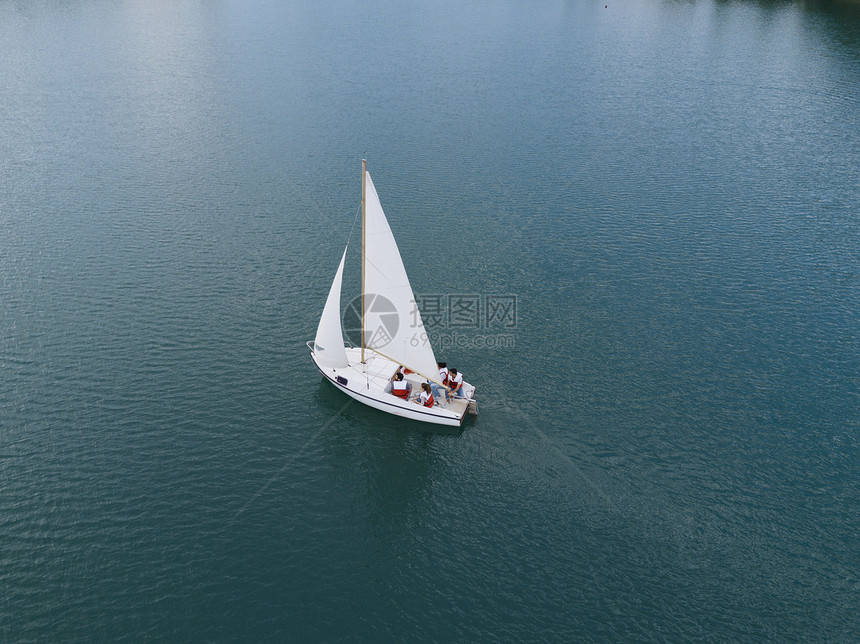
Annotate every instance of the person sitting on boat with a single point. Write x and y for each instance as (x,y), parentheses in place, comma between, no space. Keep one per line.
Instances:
(455,383)
(393,377)
(443,378)
(426,396)
(399,387)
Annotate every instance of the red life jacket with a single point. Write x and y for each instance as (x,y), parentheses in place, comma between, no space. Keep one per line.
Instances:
(398,388)
(430,402)
(456,382)
(443,374)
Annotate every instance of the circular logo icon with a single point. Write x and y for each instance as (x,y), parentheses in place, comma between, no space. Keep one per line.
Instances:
(381,321)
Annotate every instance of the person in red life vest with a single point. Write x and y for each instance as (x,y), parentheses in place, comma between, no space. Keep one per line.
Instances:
(399,387)
(455,383)
(443,378)
(443,372)
(425,397)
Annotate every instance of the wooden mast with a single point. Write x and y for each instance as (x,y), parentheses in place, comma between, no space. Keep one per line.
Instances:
(363,240)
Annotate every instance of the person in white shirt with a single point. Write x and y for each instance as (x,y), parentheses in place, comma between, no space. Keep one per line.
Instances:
(443,378)
(455,383)
(425,397)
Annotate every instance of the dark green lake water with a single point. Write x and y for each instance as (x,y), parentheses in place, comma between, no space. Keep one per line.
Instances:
(668,441)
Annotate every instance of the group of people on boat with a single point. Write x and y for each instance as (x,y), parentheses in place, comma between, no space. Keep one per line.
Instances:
(452,387)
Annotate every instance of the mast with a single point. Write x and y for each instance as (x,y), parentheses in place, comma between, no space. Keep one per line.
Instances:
(363,239)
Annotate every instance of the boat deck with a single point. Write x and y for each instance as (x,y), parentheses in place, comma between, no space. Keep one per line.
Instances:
(377,371)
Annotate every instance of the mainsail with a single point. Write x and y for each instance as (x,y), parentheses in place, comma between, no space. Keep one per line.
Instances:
(328,345)
(392,323)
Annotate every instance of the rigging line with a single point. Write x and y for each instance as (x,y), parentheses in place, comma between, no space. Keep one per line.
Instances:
(354,221)
(290,461)
(307,199)
(286,179)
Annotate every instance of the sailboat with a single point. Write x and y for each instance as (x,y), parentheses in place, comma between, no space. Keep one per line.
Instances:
(393,337)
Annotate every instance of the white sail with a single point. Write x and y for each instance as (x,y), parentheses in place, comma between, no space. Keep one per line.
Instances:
(392,330)
(328,345)
(392,322)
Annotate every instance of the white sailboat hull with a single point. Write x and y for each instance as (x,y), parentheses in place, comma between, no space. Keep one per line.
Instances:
(393,333)
(366,384)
